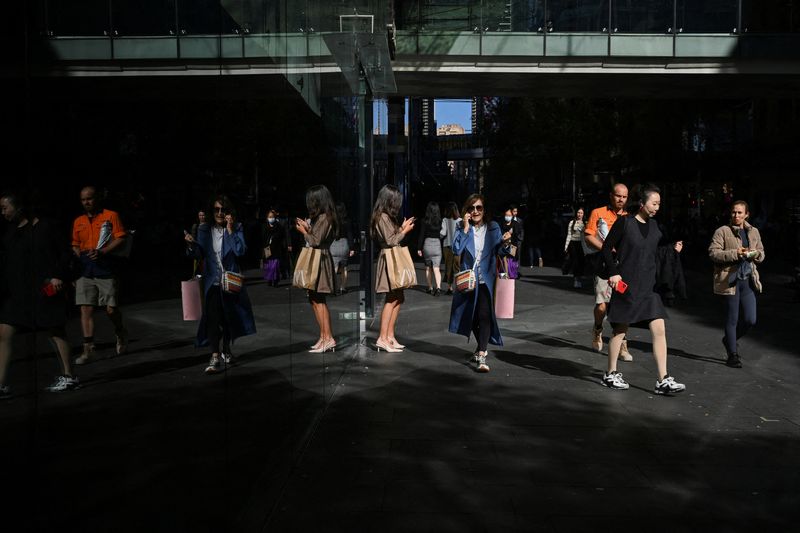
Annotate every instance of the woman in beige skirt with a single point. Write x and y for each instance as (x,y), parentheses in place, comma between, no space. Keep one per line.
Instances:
(388,234)
(320,233)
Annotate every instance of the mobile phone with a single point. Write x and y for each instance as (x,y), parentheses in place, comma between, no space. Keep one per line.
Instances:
(621,287)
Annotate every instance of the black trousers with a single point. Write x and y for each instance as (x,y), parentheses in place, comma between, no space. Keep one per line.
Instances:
(216,325)
(482,319)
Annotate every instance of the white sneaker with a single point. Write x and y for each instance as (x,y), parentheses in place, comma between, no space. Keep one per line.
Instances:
(668,385)
(63,383)
(482,366)
(614,381)
(214,365)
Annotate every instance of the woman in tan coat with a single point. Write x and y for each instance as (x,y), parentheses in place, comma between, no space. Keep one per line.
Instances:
(736,249)
(388,234)
(320,233)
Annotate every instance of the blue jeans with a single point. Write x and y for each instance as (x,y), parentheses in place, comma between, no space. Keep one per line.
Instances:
(738,323)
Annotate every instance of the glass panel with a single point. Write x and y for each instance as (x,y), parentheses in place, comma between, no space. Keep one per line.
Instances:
(771,16)
(707,16)
(91,19)
(449,15)
(643,16)
(527,15)
(143,17)
(577,15)
(407,14)
(200,17)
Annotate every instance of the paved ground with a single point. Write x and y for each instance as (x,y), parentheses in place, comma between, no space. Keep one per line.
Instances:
(364,441)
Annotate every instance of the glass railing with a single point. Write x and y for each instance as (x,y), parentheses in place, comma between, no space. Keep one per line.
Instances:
(125,18)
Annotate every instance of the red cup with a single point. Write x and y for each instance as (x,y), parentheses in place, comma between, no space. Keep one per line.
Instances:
(621,287)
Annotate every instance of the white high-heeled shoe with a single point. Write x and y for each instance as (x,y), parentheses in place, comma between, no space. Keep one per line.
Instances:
(386,348)
(326,346)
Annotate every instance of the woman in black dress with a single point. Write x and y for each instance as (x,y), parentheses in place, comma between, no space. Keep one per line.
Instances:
(35,272)
(635,240)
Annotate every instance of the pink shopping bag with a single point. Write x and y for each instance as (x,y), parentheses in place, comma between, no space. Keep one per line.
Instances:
(190,294)
(504,298)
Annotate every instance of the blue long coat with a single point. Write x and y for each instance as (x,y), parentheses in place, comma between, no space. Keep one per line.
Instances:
(463,307)
(236,307)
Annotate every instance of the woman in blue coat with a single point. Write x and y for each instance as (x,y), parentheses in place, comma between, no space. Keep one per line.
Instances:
(226,315)
(473,312)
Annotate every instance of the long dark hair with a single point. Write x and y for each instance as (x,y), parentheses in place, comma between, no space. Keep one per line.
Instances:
(341,212)
(451,211)
(432,216)
(320,202)
(389,201)
(471,199)
(575,216)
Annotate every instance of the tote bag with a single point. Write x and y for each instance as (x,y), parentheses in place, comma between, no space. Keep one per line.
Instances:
(400,266)
(190,298)
(504,288)
(306,271)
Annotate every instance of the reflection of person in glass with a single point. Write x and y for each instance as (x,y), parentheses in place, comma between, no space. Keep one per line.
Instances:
(226,315)
(320,233)
(736,249)
(343,248)
(95,235)
(429,247)
(388,234)
(273,236)
(34,269)
(478,242)
(635,240)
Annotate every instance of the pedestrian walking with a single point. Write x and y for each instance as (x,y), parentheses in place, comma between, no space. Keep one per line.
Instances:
(448,233)
(479,242)
(320,233)
(736,249)
(273,236)
(633,280)
(35,271)
(429,247)
(95,236)
(573,249)
(388,234)
(227,313)
(514,227)
(600,222)
(343,248)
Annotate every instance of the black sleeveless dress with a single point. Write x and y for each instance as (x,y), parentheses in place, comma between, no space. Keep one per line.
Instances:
(636,257)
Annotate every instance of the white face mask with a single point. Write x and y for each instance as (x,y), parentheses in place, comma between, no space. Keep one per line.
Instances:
(508,218)
(271,220)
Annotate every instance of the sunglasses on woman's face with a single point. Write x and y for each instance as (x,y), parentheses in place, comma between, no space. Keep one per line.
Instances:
(478,208)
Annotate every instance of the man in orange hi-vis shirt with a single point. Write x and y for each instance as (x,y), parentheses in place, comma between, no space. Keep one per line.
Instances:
(95,235)
(598,226)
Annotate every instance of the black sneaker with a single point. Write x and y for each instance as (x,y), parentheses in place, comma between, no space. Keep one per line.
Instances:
(5,392)
(734,361)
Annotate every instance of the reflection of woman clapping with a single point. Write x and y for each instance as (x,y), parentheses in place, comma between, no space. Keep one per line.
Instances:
(387,234)
(320,233)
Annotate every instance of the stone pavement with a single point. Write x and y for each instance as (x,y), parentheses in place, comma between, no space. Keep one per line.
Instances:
(363,441)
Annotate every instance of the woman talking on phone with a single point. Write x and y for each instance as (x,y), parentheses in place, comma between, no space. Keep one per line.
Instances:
(478,242)
(227,314)
(632,280)
(735,250)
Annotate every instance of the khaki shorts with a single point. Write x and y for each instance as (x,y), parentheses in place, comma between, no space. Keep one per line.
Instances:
(96,292)
(602,294)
